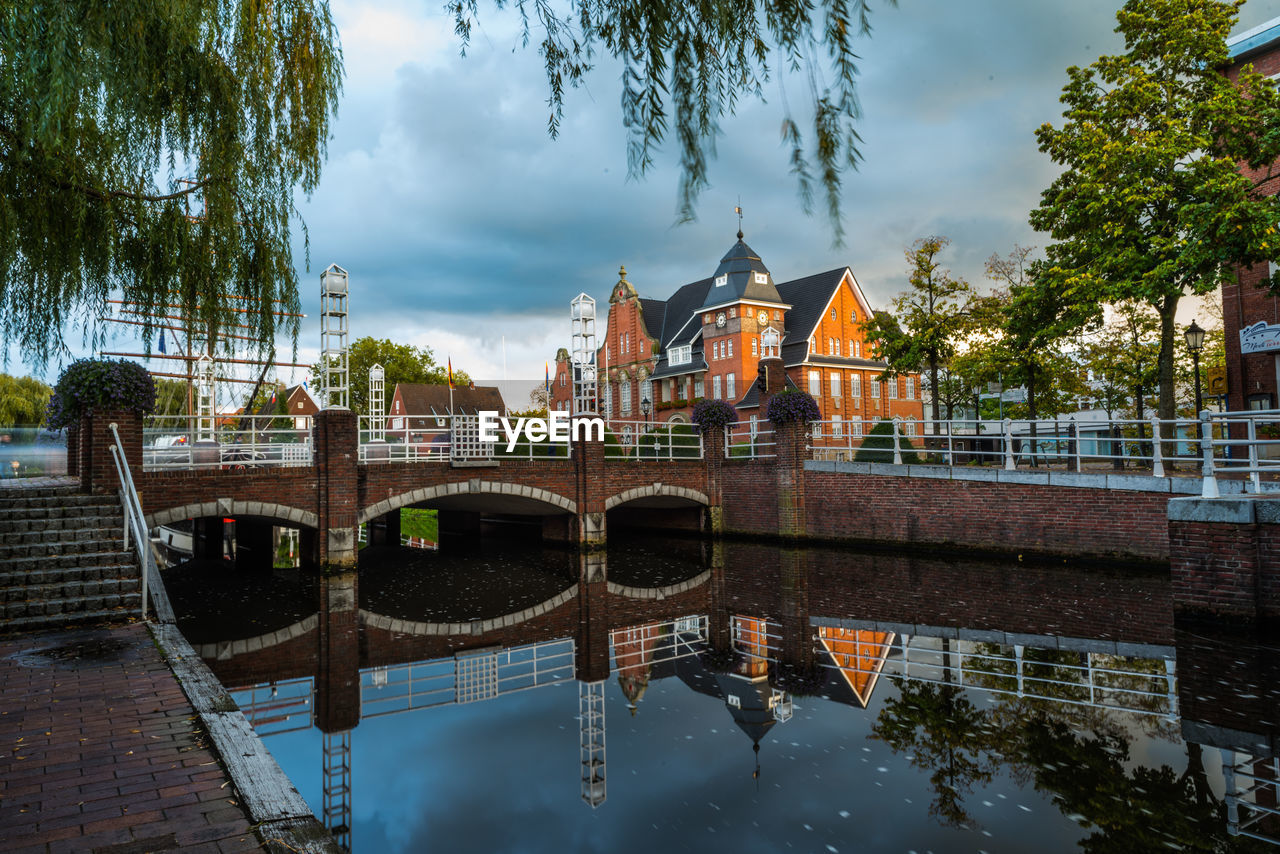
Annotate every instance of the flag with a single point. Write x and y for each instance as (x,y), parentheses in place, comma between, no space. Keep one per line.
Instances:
(546,374)
(450,372)
(161,340)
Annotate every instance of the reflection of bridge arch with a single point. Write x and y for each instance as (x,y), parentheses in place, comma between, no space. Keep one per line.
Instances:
(289,517)
(467,487)
(224,650)
(659,592)
(473,627)
(664,492)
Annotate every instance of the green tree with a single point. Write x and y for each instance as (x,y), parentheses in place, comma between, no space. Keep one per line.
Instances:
(402,363)
(22,400)
(1151,204)
(154,149)
(927,321)
(704,57)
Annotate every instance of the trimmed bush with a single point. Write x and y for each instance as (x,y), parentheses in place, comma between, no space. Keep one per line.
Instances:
(90,384)
(711,415)
(877,447)
(793,405)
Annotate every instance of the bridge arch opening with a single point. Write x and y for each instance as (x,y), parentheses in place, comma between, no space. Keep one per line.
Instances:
(468,508)
(254,534)
(658,505)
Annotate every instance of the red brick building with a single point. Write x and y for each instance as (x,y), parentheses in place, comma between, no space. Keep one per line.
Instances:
(1250,314)
(705,341)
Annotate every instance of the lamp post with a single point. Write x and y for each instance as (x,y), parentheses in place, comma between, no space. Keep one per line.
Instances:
(16,465)
(645,406)
(1195,343)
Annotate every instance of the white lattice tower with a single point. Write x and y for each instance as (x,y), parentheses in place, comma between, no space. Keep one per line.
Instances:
(333,338)
(582,355)
(206,427)
(377,397)
(591,741)
(337,786)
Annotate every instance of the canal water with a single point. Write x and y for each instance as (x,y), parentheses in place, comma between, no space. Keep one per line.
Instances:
(681,695)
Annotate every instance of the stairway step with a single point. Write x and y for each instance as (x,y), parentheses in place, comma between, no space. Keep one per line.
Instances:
(69,591)
(9,501)
(33,623)
(28,564)
(62,548)
(71,534)
(98,572)
(10,525)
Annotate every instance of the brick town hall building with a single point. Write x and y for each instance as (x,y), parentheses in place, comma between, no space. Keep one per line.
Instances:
(705,342)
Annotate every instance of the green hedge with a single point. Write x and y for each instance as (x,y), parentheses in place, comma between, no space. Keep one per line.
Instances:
(877,447)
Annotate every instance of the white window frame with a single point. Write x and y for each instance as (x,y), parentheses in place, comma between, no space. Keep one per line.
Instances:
(722,280)
(624,397)
(699,388)
(875,389)
(910,383)
(855,384)
(762,278)
(837,427)
(893,389)
(715,388)
(730,387)
(755,346)
(681,355)
(837,384)
(815,383)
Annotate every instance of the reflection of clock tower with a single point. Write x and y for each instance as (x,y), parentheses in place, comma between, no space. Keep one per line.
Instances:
(741,304)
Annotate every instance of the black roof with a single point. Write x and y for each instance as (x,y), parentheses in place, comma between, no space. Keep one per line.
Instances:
(751,399)
(807,298)
(652,312)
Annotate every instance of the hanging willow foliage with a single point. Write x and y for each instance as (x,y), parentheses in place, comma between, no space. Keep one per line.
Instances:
(154,148)
(704,56)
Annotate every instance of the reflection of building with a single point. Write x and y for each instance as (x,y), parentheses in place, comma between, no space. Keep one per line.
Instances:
(1251,314)
(858,655)
(705,341)
(633,650)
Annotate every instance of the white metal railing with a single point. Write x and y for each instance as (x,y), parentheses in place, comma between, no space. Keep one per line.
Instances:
(233,442)
(640,440)
(1245,443)
(1144,686)
(750,440)
(276,707)
(134,521)
(1077,445)
(469,676)
(445,438)
(1252,784)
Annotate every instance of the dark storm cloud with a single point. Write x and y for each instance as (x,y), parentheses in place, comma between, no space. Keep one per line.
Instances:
(454,210)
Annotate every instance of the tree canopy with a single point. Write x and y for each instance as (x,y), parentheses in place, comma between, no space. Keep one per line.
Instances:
(1151,204)
(153,149)
(22,400)
(402,363)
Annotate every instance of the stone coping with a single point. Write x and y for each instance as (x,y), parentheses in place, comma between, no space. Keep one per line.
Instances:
(1247,510)
(1075,480)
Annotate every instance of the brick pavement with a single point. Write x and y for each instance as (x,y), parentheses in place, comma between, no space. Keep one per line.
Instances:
(100,751)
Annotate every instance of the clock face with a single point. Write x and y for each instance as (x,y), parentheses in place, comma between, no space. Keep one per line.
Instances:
(762,318)
(720,319)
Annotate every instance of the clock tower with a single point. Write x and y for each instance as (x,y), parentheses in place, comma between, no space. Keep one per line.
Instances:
(741,303)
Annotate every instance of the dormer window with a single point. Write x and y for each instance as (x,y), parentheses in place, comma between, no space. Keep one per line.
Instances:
(762,278)
(680,355)
(722,279)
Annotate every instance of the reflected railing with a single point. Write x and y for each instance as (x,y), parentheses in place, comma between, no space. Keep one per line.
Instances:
(467,677)
(278,707)
(666,640)
(1252,793)
(1101,680)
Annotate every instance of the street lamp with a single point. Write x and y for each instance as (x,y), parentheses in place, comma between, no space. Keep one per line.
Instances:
(645,406)
(1195,343)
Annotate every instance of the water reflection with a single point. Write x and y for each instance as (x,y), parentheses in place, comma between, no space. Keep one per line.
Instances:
(753,697)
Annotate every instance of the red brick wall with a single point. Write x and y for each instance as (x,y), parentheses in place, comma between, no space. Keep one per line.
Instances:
(985,515)
(1226,569)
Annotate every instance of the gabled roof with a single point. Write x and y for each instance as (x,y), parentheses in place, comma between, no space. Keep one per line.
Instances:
(858,655)
(751,399)
(808,298)
(430,399)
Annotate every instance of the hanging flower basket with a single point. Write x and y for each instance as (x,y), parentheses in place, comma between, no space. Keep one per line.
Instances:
(793,405)
(713,415)
(90,384)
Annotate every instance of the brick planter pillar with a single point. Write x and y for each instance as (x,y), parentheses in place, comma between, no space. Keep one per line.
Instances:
(338,689)
(790,478)
(591,650)
(95,465)
(336,449)
(713,458)
(590,483)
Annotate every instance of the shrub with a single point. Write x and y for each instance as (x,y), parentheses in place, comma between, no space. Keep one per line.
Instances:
(877,447)
(713,415)
(90,384)
(793,405)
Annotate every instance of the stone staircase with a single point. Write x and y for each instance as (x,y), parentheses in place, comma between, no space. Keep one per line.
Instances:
(63,561)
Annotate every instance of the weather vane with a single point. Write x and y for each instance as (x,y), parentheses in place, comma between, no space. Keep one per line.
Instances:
(738,211)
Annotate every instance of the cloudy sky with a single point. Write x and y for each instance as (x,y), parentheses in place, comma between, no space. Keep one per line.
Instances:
(462,224)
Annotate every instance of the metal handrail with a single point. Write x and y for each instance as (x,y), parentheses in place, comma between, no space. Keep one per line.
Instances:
(133,518)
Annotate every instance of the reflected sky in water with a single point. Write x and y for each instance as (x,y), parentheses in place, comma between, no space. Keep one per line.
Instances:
(946,755)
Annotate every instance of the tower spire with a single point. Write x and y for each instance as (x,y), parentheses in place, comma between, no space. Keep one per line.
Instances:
(738,211)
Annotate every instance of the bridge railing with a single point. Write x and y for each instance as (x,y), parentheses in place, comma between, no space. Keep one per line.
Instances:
(1076,445)
(1244,443)
(225,442)
(445,438)
(640,440)
(750,440)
